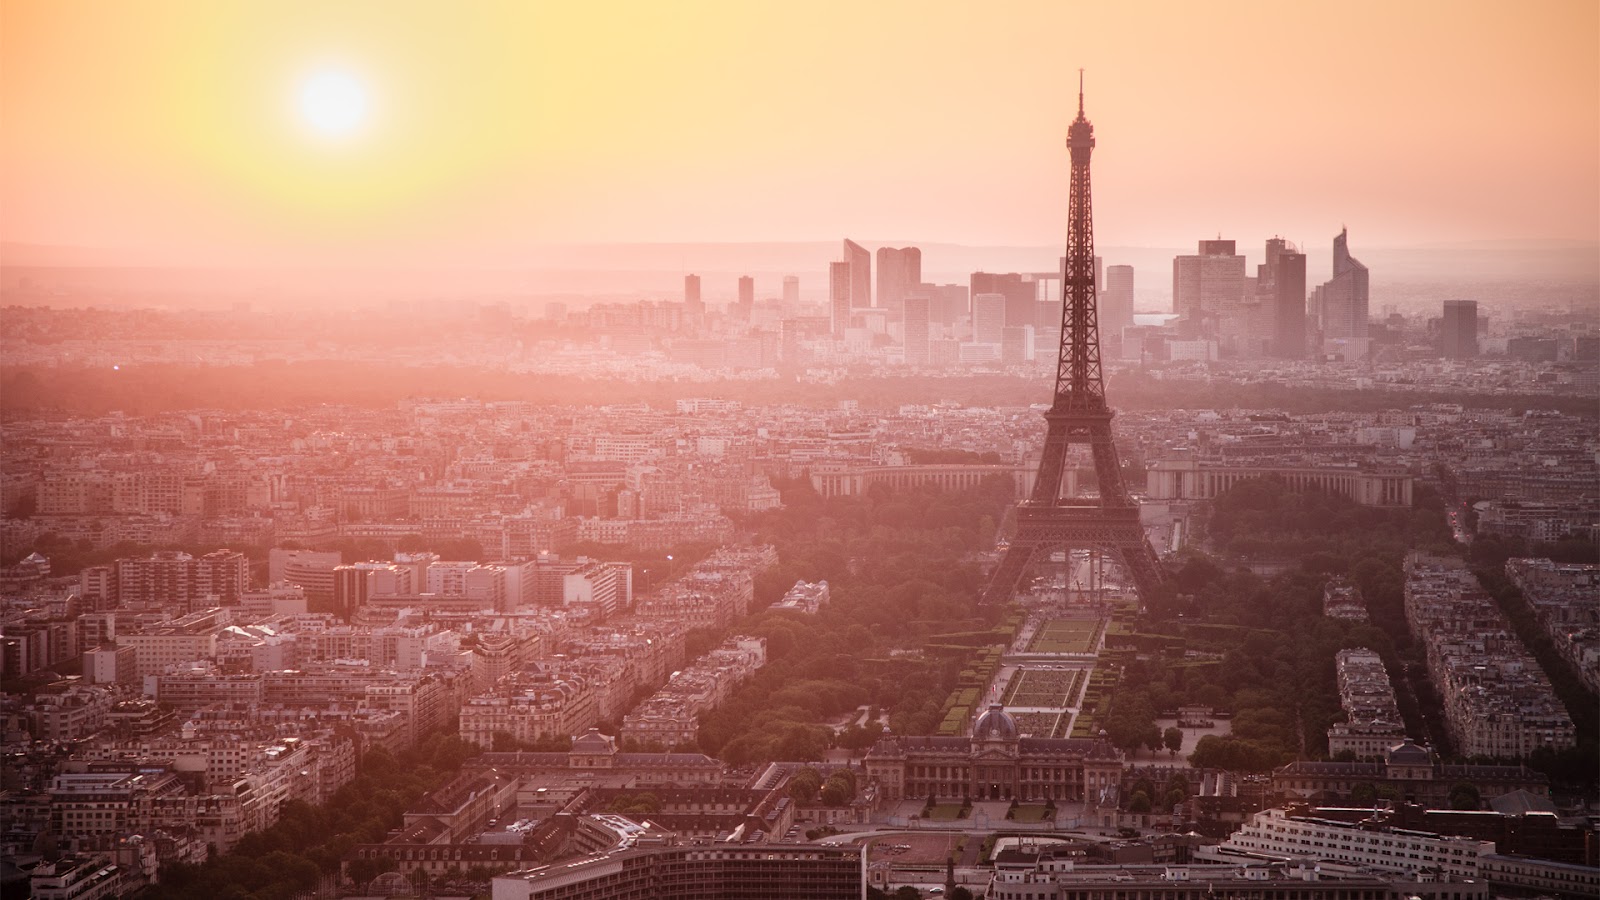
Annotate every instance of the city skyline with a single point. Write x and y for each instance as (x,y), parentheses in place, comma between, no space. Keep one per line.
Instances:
(291,135)
(493,450)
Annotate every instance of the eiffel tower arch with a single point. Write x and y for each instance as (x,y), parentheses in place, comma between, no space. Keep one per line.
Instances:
(1078,414)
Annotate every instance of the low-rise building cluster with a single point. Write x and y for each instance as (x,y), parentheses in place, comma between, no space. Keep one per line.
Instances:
(1497,701)
(805,597)
(1566,601)
(192,724)
(1283,833)
(1372,720)
(671,716)
(1343,600)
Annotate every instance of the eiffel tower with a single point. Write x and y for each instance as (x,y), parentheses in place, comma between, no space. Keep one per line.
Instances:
(1046,521)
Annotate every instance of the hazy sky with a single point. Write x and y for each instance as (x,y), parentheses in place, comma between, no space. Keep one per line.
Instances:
(457,132)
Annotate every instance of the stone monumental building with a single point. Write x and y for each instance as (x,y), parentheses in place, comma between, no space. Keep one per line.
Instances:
(995,763)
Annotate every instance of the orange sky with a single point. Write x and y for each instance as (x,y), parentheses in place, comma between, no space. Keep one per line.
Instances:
(169,128)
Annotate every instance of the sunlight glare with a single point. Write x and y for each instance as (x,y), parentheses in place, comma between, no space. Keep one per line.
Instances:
(333,103)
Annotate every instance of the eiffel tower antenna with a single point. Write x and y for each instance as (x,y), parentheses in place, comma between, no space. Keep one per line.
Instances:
(1078,414)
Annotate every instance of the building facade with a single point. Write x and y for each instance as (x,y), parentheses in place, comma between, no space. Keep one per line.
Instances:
(1408,771)
(899,273)
(1206,284)
(1340,304)
(859,263)
(1458,334)
(1191,479)
(995,763)
(716,872)
(1290,833)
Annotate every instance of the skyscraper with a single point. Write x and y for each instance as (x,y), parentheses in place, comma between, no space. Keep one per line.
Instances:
(946,302)
(1021,295)
(988,318)
(791,290)
(691,290)
(1459,336)
(1281,285)
(1205,285)
(1341,303)
(741,308)
(916,331)
(860,262)
(1116,304)
(899,272)
(1016,344)
(839,296)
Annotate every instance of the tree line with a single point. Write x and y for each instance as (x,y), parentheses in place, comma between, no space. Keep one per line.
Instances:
(901,567)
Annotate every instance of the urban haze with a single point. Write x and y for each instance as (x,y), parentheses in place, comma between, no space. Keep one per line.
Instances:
(715,451)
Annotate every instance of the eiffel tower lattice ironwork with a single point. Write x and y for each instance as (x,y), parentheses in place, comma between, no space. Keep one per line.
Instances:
(1046,521)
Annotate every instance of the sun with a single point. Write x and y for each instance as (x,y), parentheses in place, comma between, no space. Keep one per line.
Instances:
(332,103)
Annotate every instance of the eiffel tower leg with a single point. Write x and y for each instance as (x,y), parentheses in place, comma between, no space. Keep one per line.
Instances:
(1138,558)
(1107,470)
(1052,464)
(1003,583)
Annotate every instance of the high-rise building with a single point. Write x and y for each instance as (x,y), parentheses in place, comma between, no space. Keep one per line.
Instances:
(742,308)
(1341,303)
(1459,337)
(691,290)
(1020,292)
(916,331)
(1281,287)
(839,296)
(988,318)
(860,262)
(946,302)
(1016,344)
(1116,301)
(899,273)
(1206,285)
(791,290)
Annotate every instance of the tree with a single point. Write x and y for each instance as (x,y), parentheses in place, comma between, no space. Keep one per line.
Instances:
(1464,795)
(1172,738)
(804,785)
(840,788)
(857,737)
(361,871)
(1139,802)
(645,803)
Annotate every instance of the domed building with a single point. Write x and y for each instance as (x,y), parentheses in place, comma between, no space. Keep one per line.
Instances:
(996,763)
(995,724)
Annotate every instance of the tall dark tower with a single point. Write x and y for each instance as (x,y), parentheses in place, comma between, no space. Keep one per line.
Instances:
(1078,415)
